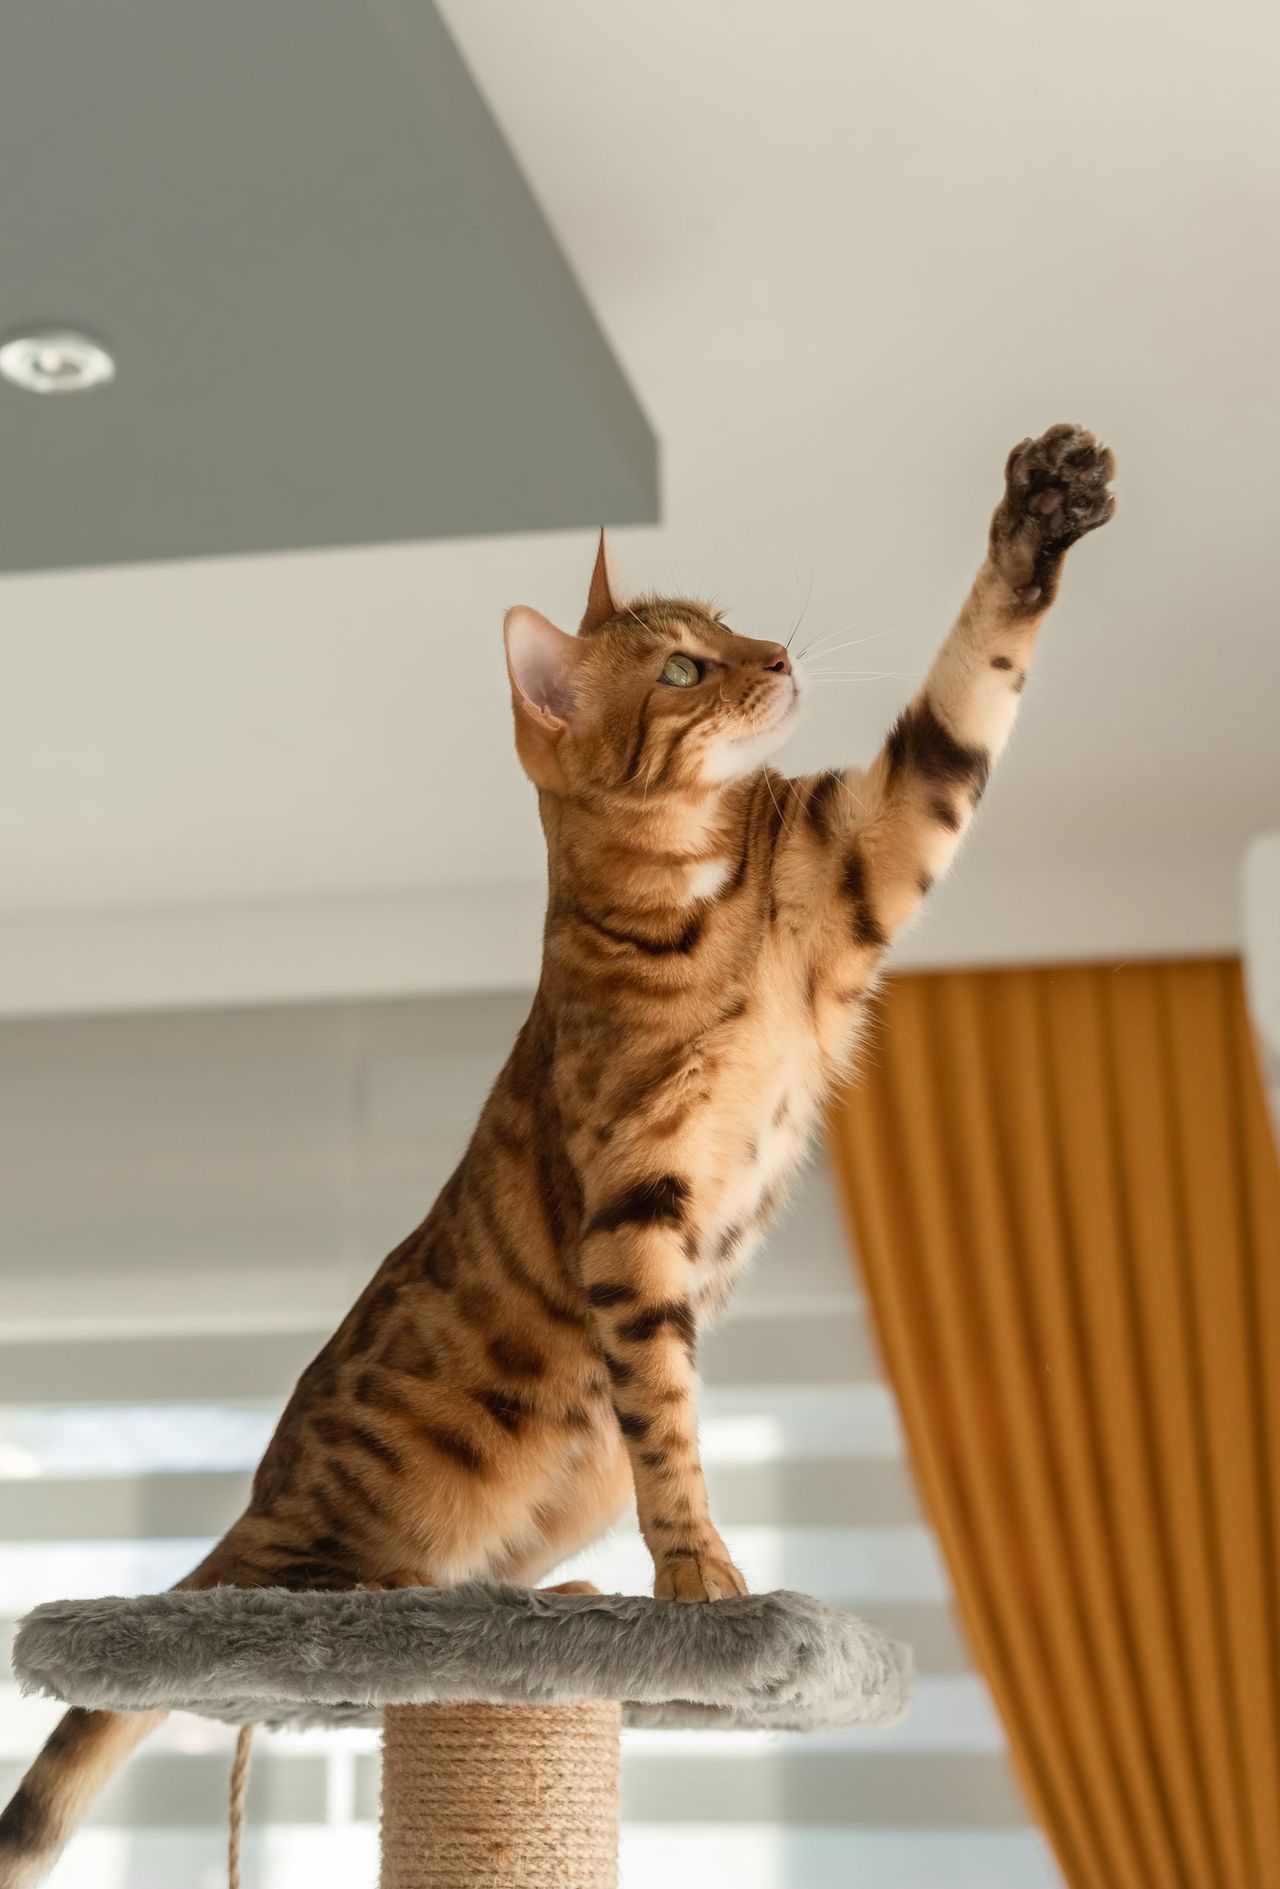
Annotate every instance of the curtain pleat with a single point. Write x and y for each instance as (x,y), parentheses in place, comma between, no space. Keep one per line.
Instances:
(1065,1198)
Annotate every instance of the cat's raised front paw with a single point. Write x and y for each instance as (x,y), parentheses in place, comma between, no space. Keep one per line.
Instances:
(1056,489)
(697,1577)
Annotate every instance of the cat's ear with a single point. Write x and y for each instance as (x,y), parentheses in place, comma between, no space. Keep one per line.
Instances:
(601,597)
(543,665)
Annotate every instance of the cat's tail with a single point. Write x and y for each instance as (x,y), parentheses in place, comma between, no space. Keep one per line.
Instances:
(81,1753)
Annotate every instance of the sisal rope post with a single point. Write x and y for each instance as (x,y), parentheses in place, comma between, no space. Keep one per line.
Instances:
(500,1796)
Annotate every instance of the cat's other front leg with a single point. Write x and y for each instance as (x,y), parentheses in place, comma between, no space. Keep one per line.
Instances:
(868,845)
(635,1266)
(934,767)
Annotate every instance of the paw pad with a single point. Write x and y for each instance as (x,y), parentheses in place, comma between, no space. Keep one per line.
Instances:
(1058,485)
(1057,488)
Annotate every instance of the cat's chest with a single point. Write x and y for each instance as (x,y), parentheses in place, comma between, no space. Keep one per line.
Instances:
(774,1081)
(752,1135)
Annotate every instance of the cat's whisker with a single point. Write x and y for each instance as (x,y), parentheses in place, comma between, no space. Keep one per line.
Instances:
(859,675)
(861,672)
(815,647)
(840,629)
(648,783)
(768,781)
(808,595)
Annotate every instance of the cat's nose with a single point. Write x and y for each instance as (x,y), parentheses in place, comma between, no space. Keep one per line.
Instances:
(776,661)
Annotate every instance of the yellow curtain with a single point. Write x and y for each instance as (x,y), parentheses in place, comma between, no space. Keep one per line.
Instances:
(1064,1193)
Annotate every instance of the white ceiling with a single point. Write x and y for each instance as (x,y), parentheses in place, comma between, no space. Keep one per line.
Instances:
(847,254)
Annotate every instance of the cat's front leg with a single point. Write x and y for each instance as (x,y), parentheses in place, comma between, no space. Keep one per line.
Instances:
(635,1267)
(874,841)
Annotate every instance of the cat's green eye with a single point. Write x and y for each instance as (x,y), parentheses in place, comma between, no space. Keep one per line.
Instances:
(682,672)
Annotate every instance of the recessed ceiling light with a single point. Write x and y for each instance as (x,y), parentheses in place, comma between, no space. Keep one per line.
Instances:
(55,361)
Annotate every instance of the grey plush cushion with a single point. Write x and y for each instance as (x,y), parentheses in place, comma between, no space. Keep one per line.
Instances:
(781,1660)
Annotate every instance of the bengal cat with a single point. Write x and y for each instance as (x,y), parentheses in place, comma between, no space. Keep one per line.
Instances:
(524,1361)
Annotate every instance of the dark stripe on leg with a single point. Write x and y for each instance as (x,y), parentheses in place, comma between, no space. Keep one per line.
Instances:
(505,1408)
(867,929)
(821,802)
(649,1323)
(645,1204)
(606,1295)
(449,1443)
(921,743)
(683,942)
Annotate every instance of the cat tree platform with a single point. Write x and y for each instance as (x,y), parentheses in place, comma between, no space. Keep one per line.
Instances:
(500,1707)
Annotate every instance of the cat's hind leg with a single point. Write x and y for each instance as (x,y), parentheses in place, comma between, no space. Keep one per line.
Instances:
(592,1501)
